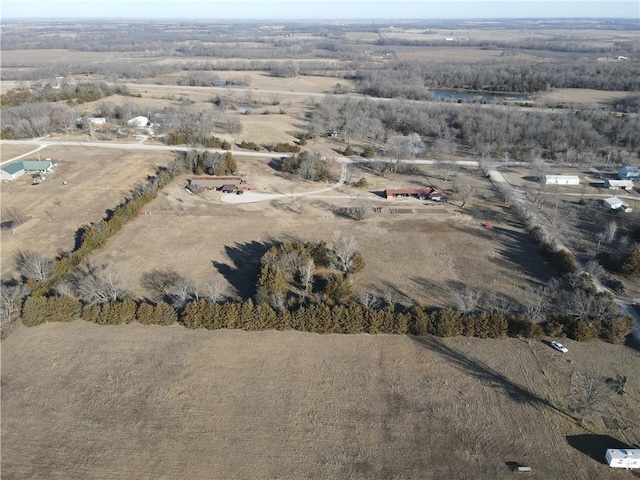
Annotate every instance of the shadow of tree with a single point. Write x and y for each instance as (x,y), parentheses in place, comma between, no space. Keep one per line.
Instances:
(488,375)
(242,272)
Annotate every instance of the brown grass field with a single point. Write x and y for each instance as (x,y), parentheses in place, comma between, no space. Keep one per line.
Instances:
(97,179)
(414,251)
(126,402)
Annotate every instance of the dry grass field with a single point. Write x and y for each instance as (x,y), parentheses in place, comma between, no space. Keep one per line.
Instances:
(414,251)
(37,58)
(97,179)
(130,402)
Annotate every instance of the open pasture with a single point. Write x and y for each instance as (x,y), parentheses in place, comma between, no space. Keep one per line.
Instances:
(86,401)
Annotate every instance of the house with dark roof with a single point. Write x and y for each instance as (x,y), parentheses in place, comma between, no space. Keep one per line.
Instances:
(223,183)
(422,193)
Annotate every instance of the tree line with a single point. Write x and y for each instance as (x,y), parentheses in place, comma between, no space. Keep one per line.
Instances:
(416,80)
(572,137)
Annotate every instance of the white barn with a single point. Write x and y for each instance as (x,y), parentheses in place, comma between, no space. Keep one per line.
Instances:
(618,184)
(561,180)
(623,457)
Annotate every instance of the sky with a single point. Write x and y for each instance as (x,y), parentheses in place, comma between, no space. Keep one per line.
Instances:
(316,9)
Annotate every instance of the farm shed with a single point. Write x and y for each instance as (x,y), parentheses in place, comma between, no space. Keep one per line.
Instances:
(623,457)
(426,193)
(618,184)
(17,169)
(614,203)
(629,173)
(561,180)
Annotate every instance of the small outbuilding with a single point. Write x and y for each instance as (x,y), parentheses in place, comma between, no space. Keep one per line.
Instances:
(138,122)
(619,184)
(561,180)
(614,203)
(623,457)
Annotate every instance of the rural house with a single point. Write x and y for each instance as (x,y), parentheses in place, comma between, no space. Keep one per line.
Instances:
(424,193)
(17,169)
(619,184)
(629,173)
(223,183)
(561,180)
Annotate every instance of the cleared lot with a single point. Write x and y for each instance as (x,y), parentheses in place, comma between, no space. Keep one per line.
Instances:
(83,401)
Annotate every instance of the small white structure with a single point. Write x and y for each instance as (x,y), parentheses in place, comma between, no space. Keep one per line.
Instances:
(138,122)
(561,180)
(623,457)
(614,203)
(618,184)
(97,120)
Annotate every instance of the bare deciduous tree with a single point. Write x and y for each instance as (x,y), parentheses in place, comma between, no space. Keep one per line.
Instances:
(305,272)
(343,251)
(170,286)
(535,303)
(14,216)
(11,297)
(214,291)
(467,299)
(33,266)
(610,232)
(95,284)
(589,393)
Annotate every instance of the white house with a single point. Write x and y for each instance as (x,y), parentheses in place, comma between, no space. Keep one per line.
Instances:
(623,457)
(17,169)
(561,180)
(618,184)
(138,122)
(631,172)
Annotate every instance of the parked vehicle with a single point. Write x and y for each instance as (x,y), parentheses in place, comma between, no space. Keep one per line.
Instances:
(560,347)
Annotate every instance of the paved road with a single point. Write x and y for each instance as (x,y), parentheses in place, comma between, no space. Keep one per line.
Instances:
(41,147)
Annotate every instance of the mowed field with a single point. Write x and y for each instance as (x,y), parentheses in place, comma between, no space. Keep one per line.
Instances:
(414,250)
(97,179)
(126,402)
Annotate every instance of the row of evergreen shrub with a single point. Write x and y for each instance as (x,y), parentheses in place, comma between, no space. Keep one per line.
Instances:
(342,319)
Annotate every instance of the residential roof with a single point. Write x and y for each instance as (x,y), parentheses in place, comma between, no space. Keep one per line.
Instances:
(37,164)
(613,201)
(620,183)
(409,191)
(563,176)
(13,168)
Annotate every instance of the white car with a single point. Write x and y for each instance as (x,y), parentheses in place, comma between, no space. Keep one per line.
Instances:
(560,347)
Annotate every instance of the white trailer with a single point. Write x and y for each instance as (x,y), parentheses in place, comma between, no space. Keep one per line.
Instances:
(561,180)
(623,457)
